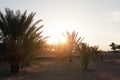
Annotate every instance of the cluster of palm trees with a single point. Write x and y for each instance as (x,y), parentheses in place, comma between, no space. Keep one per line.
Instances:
(20,38)
(75,47)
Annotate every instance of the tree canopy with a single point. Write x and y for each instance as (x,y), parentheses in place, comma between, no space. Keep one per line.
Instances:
(21,37)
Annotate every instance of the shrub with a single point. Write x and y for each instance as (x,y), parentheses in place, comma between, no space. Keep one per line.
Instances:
(94,52)
(85,52)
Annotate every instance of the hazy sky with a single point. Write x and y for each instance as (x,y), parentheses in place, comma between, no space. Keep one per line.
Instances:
(97,21)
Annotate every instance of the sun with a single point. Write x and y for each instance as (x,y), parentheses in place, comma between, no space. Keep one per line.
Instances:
(55,33)
(56,39)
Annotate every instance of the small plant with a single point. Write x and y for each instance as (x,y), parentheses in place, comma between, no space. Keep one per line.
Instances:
(85,52)
(72,40)
(94,52)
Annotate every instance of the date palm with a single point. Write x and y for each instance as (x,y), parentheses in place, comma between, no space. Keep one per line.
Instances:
(113,46)
(95,51)
(85,55)
(72,40)
(21,37)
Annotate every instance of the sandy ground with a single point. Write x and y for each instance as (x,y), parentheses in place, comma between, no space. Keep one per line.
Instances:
(52,69)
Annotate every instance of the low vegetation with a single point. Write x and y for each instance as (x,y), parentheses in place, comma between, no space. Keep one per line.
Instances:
(72,40)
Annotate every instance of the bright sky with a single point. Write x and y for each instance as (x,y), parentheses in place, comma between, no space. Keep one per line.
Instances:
(97,21)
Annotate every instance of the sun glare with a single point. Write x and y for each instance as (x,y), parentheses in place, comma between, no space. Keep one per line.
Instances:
(55,33)
(56,39)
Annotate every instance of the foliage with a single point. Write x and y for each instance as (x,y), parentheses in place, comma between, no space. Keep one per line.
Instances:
(1,37)
(72,40)
(21,37)
(94,52)
(112,45)
(85,52)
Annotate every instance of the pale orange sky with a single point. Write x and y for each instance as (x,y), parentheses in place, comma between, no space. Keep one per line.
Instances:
(97,21)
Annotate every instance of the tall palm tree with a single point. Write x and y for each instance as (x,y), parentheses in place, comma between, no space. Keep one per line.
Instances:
(72,40)
(21,37)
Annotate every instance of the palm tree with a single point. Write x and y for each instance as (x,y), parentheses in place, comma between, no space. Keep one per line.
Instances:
(71,42)
(95,52)
(113,46)
(21,37)
(85,53)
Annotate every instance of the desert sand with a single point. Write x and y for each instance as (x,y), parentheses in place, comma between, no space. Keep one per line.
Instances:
(56,69)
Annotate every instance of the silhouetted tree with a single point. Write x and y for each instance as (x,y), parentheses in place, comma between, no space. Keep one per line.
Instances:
(72,40)
(118,47)
(21,37)
(112,45)
(85,56)
(95,52)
